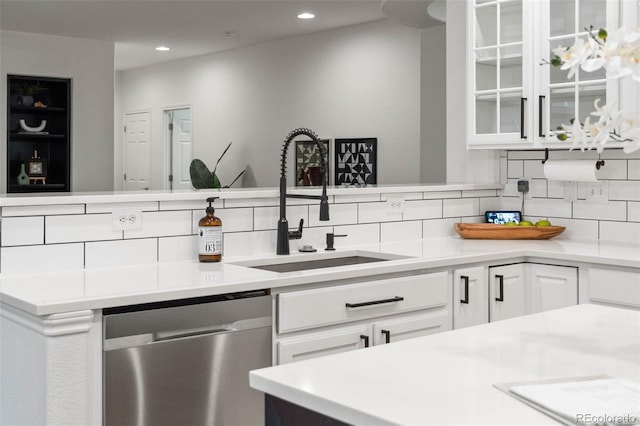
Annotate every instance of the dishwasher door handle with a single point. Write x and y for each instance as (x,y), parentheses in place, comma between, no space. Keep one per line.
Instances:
(162,336)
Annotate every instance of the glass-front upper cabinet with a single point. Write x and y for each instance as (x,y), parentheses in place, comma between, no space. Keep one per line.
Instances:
(499,71)
(515,98)
(562,99)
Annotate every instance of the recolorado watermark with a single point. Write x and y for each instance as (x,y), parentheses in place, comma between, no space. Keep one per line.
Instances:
(602,419)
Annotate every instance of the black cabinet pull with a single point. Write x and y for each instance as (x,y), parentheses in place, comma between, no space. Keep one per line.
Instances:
(501,291)
(465,279)
(374,302)
(387,335)
(522,111)
(366,340)
(540,111)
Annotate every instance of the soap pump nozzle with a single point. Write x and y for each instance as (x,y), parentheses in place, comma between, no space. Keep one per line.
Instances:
(210,200)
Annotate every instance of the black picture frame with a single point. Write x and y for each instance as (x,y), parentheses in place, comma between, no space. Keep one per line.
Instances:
(307,159)
(37,168)
(356,161)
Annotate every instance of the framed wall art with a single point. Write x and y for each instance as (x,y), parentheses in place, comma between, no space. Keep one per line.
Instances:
(356,161)
(308,162)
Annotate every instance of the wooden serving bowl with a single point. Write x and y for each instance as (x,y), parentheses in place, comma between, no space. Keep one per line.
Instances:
(491,231)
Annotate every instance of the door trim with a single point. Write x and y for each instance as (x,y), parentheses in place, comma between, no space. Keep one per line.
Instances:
(166,140)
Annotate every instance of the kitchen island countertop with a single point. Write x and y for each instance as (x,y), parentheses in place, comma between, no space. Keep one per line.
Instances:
(448,378)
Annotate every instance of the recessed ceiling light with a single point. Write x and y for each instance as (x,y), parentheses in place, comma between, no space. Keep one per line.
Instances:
(230,34)
(163,48)
(306,15)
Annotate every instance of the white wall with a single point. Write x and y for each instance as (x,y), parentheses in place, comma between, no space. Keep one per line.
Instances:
(433,112)
(462,165)
(359,81)
(89,64)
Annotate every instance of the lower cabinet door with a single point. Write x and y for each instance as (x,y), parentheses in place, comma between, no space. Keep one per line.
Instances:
(313,345)
(507,292)
(394,330)
(551,287)
(470,294)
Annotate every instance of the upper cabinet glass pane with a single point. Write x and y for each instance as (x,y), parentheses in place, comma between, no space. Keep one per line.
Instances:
(486,26)
(511,22)
(555,73)
(592,13)
(511,66)
(563,17)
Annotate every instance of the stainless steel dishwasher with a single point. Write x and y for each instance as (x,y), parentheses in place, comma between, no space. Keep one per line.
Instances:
(186,362)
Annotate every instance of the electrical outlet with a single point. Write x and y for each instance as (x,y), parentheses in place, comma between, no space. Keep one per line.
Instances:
(598,192)
(395,205)
(126,219)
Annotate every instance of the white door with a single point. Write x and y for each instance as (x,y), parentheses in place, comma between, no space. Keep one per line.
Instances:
(137,151)
(180,149)
(409,327)
(551,287)
(507,292)
(470,297)
(313,345)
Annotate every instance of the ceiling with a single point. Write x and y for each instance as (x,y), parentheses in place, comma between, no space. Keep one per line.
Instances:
(188,27)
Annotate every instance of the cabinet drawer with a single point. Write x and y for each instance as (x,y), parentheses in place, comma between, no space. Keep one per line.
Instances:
(332,305)
(614,286)
(409,327)
(313,345)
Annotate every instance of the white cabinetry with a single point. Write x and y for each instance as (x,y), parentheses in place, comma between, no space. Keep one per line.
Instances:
(334,319)
(470,295)
(482,294)
(515,102)
(618,287)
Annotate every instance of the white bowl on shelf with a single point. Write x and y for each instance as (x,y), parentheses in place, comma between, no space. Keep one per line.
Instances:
(28,128)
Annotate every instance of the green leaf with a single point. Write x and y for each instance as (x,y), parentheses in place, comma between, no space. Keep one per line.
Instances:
(201,177)
(216,181)
(602,33)
(223,153)
(237,177)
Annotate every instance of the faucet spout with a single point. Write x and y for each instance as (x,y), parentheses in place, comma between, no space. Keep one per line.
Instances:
(283,225)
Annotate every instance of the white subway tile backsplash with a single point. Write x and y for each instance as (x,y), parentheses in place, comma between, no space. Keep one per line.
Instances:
(120,253)
(525,155)
(533,169)
(441,195)
(357,234)
(576,229)
(492,203)
(172,249)
(461,207)
(22,231)
(618,154)
(233,220)
(378,212)
(401,195)
(633,170)
(545,207)
(503,170)
(249,243)
(439,228)
(511,203)
(537,188)
(511,188)
(251,202)
(613,169)
(480,193)
(189,205)
(163,224)
(78,228)
(400,231)
(110,207)
(515,169)
(624,190)
(48,210)
(633,211)
(555,189)
(620,232)
(339,214)
(425,209)
(268,217)
(41,258)
(360,198)
(614,210)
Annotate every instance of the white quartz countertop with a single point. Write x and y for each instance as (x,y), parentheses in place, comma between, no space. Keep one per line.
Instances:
(447,378)
(82,289)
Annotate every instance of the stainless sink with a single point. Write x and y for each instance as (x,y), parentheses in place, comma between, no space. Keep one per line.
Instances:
(319,261)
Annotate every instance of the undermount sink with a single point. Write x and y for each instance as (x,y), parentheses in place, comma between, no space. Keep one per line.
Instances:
(319,261)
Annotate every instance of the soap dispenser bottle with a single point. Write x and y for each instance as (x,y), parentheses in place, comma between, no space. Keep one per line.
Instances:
(210,235)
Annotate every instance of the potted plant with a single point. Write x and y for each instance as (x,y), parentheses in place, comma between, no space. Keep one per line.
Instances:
(202,177)
(24,92)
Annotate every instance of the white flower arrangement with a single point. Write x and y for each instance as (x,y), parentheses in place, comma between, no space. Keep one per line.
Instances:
(619,54)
